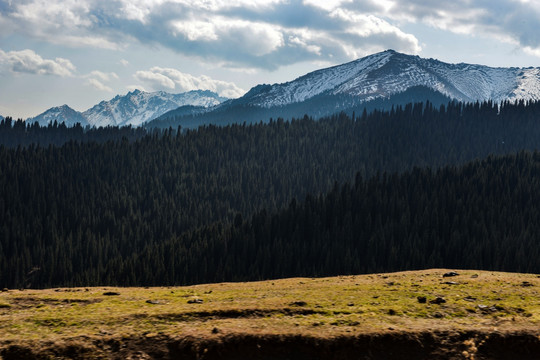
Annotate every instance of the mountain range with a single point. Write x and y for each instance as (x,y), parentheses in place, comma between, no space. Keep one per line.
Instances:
(376,81)
(135,108)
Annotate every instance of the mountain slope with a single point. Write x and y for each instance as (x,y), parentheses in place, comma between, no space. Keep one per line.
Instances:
(61,114)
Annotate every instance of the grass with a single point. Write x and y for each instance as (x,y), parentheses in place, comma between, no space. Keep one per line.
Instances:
(323,307)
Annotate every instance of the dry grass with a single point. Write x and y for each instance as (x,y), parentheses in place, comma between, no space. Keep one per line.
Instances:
(325,307)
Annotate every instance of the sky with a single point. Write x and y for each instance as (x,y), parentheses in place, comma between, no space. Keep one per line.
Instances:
(80,52)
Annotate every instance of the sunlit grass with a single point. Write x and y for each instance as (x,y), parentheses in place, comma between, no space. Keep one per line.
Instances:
(319,307)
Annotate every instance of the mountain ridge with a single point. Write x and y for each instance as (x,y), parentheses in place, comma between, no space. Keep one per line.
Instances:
(60,114)
(386,73)
(387,78)
(376,81)
(134,108)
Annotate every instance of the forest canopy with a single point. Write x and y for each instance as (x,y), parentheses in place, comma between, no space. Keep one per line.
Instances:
(380,191)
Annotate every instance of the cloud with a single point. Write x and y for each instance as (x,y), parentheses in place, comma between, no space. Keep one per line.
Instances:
(65,22)
(135,87)
(510,21)
(97,78)
(103,76)
(124,62)
(27,61)
(155,80)
(267,33)
(171,79)
(99,85)
(237,33)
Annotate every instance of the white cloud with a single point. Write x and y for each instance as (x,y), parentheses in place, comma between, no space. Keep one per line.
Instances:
(531,51)
(97,80)
(510,21)
(103,76)
(124,62)
(171,79)
(27,61)
(99,85)
(195,30)
(295,40)
(156,80)
(254,38)
(265,33)
(65,22)
(327,5)
(244,36)
(234,33)
(135,87)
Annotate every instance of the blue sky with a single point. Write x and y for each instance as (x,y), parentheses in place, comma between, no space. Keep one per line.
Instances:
(79,52)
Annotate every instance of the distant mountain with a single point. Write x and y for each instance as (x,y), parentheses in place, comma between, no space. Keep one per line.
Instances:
(134,108)
(370,81)
(59,114)
(137,107)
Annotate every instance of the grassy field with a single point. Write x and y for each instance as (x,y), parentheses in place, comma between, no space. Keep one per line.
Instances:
(416,302)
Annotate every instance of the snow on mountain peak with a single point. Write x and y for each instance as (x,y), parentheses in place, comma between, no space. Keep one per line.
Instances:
(60,114)
(389,72)
(137,107)
(380,75)
(316,82)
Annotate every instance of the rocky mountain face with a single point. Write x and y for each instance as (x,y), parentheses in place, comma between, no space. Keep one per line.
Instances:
(60,114)
(135,108)
(389,72)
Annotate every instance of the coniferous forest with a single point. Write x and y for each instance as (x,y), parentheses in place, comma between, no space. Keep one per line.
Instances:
(414,187)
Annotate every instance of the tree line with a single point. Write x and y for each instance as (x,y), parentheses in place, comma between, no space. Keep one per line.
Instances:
(14,133)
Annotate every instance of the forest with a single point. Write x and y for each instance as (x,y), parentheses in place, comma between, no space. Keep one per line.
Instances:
(413,187)
(14,133)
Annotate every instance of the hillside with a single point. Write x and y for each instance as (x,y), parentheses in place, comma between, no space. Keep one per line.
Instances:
(408,315)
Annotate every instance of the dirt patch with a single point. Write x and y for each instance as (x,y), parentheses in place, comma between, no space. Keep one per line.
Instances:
(29,302)
(231,314)
(402,346)
(76,349)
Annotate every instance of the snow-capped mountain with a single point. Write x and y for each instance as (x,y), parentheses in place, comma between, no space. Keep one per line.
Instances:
(137,106)
(62,114)
(134,108)
(376,81)
(387,73)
